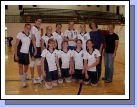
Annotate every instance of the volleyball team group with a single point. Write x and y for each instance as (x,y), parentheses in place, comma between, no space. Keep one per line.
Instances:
(65,57)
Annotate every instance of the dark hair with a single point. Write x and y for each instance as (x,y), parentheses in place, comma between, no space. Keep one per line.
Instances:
(94,23)
(64,41)
(58,24)
(38,17)
(112,25)
(27,24)
(90,41)
(49,41)
(79,40)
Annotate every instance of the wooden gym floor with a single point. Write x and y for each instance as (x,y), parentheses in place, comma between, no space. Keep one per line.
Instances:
(13,85)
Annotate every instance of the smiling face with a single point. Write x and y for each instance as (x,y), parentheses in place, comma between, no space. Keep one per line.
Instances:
(71,25)
(38,22)
(27,28)
(78,44)
(89,44)
(93,25)
(65,45)
(111,28)
(58,28)
(51,44)
(49,29)
(82,27)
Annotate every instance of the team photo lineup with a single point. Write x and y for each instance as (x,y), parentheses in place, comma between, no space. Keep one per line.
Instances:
(68,56)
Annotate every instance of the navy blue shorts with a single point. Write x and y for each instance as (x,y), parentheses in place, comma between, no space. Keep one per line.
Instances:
(78,74)
(65,73)
(32,50)
(92,76)
(51,76)
(23,58)
(71,47)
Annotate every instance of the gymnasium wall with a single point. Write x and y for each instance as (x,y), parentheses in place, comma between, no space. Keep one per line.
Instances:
(14,28)
(14,9)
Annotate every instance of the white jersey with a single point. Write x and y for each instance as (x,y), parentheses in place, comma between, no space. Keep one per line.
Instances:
(71,34)
(50,61)
(46,38)
(91,58)
(78,58)
(65,58)
(59,38)
(24,43)
(84,37)
(36,31)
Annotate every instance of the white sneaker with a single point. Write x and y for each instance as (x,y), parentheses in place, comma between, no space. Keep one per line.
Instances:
(27,77)
(93,84)
(34,81)
(86,82)
(39,81)
(24,84)
(60,81)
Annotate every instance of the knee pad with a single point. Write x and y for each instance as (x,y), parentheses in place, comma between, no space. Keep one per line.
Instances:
(48,87)
(54,84)
(38,61)
(60,81)
(32,63)
(68,81)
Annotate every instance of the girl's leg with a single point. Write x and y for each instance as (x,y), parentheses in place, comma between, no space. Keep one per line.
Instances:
(25,71)
(22,76)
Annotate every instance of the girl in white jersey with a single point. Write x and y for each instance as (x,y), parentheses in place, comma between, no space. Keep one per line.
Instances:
(21,52)
(58,35)
(78,59)
(50,65)
(84,36)
(46,37)
(65,60)
(91,60)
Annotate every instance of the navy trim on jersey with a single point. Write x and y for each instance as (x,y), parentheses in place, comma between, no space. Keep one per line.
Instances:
(25,33)
(79,51)
(37,27)
(58,33)
(48,36)
(19,47)
(83,34)
(60,62)
(64,51)
(91,52)
(52,51)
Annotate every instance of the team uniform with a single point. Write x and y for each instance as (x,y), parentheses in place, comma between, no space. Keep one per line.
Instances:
(36,31)
(71,34)
(23,48)
(78,64)
(59,37)
(84,37)
(50,64)
(46,38)
(91,58)
(64,61)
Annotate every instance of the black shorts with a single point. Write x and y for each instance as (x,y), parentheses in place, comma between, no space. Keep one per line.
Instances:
(51,75)
(32,50)
(23,58)
(78,74)
(65,73)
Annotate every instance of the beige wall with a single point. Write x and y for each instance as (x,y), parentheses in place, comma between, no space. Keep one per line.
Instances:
(14,9)
(14,28)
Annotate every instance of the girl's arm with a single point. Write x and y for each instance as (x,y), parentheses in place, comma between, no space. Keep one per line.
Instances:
(34,44)
(16,45)
(116,46)
(42,44)
(94,64)
(42,67)
(58,66)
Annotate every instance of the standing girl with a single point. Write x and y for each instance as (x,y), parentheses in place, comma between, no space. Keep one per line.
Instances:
(84,36)
(21,52)
(58,35)
(78,59)
(50,65)
(65,60)
(91,60)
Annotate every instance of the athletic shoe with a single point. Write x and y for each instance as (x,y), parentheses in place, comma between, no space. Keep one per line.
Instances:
(27,78)
(93,84)
(86,82)
(34,81)
(24,84)
(39,81)
(60,81)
